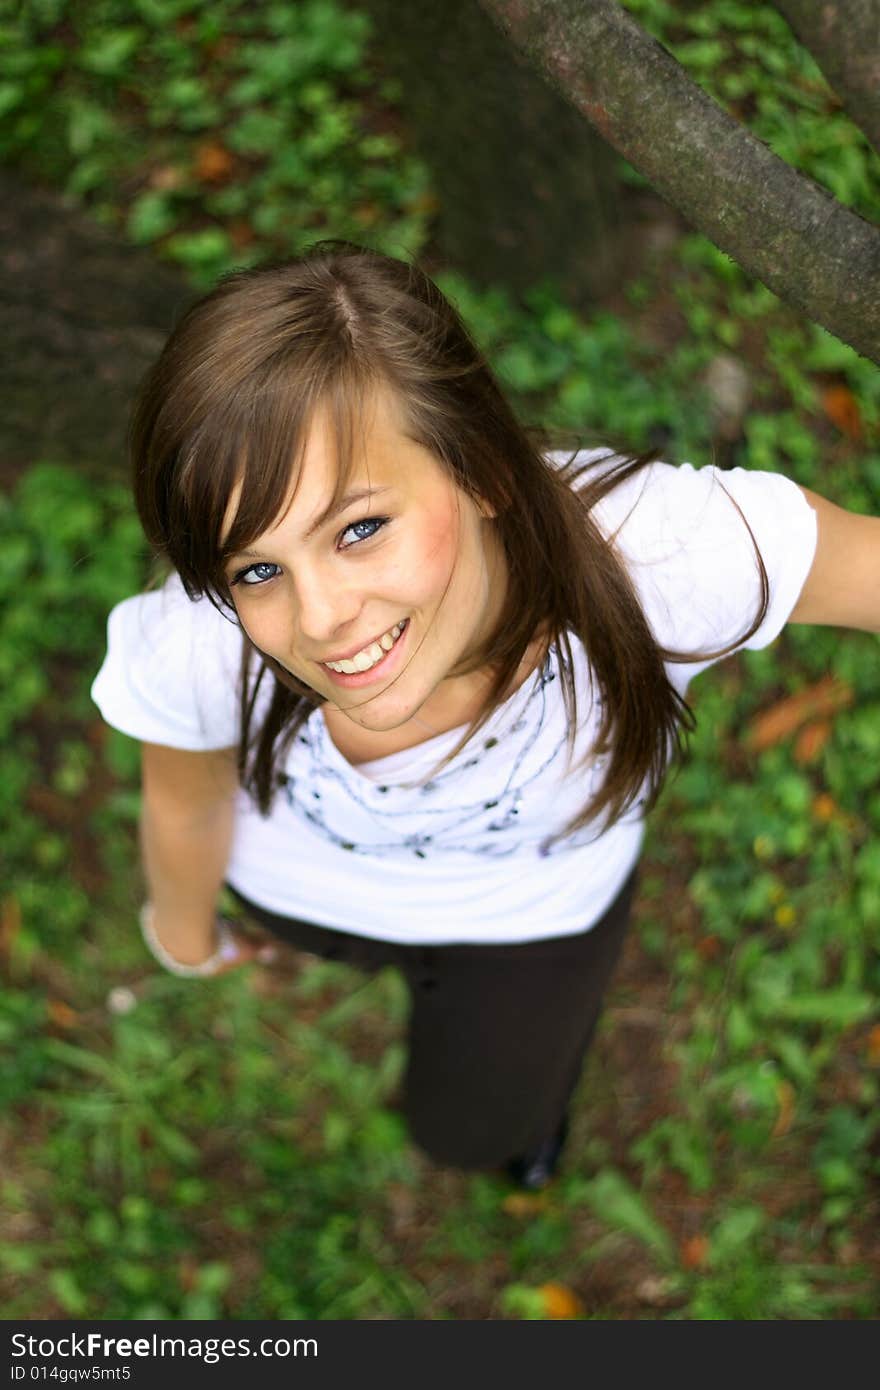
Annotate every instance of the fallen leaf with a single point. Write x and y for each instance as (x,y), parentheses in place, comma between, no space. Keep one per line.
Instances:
(221,50)
(213,162)
(61,1014)
(708,947)
(560,1301)
(656,1289)
(524,1203)
(842,409)
(695,1252)
(425,202)
(367,214)
(873,1046)
(825,808)
(165,178)
(811,740)
(783,719)
(10,922)
(241,233)
(786,1097)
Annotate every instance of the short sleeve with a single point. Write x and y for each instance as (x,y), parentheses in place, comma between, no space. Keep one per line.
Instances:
(172,670)
(691,538)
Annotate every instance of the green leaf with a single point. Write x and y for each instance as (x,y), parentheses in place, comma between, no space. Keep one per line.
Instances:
(65,1286)
(839,1008)
(108,54)
(152,215)
(88,123)
(618,1204)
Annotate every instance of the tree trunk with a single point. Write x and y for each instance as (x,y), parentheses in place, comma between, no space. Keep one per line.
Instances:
(780,225)
(527,191)
(844,39)
(83,318)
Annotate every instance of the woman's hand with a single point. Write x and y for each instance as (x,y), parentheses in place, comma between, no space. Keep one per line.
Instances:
(220,950)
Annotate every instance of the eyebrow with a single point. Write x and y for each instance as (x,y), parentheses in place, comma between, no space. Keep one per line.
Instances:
(329,513)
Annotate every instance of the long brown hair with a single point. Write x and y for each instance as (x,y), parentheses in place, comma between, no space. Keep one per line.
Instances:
(230,402)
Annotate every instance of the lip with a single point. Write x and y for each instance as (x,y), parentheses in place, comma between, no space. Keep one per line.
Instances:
(346,656)
(382,668)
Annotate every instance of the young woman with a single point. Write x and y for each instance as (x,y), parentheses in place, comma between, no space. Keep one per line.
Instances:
(413,684)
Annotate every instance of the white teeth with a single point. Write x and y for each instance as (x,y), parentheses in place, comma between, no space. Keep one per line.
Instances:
(363,660)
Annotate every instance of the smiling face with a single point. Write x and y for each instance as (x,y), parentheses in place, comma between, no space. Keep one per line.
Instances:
(407,580)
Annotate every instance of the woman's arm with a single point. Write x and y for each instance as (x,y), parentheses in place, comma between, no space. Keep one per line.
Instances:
(843,586)
(186,836)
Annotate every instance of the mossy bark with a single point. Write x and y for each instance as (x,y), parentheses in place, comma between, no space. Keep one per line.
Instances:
(778,224)
(526,189)
(844,38)
(84,316)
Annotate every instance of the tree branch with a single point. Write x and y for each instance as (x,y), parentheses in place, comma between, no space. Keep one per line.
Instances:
(844,39)
(779,225)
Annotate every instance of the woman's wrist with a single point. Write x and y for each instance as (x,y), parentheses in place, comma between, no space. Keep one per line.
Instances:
(224,948)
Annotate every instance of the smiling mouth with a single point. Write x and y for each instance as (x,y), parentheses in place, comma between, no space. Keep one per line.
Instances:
(369,657)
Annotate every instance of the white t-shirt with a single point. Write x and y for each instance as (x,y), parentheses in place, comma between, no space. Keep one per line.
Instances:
(377,850)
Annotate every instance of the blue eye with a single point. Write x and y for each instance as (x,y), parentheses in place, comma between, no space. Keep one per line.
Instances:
(374,522)
(256,574)
(264,570)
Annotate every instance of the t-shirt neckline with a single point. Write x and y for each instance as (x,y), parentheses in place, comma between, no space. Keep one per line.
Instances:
(416,759)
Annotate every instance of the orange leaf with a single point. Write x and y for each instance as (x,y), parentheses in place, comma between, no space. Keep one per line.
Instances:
(213,163)
(61,1014)
(425,202)
(842,409)
(560,1301)
(825,808)
(708,947)
(188,1272)
(785,1094)
(241,233)
(817,701)
(221,50)
(874,1046)
(10,922)
(524,1203)
(695,1252)
(811,740)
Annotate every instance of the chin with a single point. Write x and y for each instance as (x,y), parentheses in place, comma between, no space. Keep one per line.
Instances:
(378,722)
(382,718)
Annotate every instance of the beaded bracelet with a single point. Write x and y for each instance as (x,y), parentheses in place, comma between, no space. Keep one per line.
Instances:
(227,948)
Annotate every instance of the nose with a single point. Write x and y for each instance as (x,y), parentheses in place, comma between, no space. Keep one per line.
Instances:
(327,611)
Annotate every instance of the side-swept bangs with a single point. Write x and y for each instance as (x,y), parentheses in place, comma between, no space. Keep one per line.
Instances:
(218,447)
(262,471)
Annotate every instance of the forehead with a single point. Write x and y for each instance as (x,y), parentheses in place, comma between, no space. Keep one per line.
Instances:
(368,447)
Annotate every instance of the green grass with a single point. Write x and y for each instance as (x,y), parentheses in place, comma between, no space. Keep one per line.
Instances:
(178,1149)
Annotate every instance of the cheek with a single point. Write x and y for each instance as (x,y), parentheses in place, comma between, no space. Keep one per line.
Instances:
(263,627)
(438,553)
